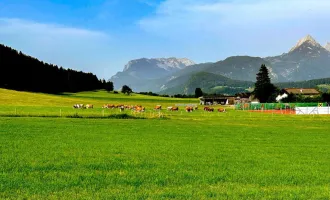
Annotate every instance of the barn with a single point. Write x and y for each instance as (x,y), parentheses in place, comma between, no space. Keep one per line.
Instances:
(223,100)
(305,92)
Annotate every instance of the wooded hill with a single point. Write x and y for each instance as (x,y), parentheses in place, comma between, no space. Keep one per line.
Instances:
(25,73)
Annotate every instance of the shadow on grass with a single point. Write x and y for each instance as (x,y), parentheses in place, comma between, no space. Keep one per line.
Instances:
(76,116)
(115,116)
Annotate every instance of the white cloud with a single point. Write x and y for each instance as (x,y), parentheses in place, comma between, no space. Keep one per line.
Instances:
(35,30)
(65,46)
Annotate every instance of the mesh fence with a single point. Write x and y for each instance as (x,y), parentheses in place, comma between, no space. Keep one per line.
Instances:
(276,106)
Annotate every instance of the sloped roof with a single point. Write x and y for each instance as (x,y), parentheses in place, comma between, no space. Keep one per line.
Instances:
(243,95)
(216,98)
(303,91)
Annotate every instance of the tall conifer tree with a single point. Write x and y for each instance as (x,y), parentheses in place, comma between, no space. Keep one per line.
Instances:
(264,89)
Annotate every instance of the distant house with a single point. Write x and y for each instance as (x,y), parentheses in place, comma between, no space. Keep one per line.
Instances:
(224,100)
(244,97)
(305,92)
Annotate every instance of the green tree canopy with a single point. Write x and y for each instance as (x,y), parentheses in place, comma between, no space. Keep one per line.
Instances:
(264,89)
(198,92)
(126,90)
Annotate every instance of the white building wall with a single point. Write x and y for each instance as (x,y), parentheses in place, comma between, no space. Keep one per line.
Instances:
(312,110)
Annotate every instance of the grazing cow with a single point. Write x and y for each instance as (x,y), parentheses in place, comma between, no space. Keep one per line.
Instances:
(189,109)
(128,107)
(139,109)
(221,110)
(121,108)
(76,106)
(158,107)
(88,106)
(106,106)
(208,109)
(175,108)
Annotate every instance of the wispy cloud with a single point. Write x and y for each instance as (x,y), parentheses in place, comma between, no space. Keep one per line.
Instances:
(238,27)
(66,46)
(25,28)
(215,15)
(148,2)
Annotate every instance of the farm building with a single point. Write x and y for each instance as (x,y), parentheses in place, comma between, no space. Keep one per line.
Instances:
(244,98)
(305,92)
(224,100)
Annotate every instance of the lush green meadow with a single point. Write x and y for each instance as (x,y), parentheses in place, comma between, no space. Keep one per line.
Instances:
(232,155)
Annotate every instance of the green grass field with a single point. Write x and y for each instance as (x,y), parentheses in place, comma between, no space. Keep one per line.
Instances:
(233,155)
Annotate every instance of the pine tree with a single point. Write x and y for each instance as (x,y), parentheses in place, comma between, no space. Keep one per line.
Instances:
(264,89)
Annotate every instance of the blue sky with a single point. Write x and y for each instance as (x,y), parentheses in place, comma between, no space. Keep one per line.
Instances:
(101,36)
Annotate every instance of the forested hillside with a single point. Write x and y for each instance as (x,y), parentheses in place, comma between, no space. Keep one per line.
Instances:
(25,73)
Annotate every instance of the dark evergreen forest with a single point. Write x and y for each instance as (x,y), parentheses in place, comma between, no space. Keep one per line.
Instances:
(25,73)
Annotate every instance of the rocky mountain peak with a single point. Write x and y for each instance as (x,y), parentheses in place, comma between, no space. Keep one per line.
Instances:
(168,64)
(309,41)
(327,46)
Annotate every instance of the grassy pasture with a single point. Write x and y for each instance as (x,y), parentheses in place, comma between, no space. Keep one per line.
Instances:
(233,155)
(98,98)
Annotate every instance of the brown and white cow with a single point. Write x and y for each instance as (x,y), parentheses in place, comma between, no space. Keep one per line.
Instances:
(174,108)
(108,106)
(139,109)
(189,109)
(221,110)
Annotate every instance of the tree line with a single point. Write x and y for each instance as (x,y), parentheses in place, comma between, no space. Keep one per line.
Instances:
(25,73)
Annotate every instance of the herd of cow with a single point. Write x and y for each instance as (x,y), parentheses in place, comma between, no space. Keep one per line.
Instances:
(139,108)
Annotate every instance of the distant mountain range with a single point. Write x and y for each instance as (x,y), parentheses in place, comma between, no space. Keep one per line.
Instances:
(142,74)
(307,60)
